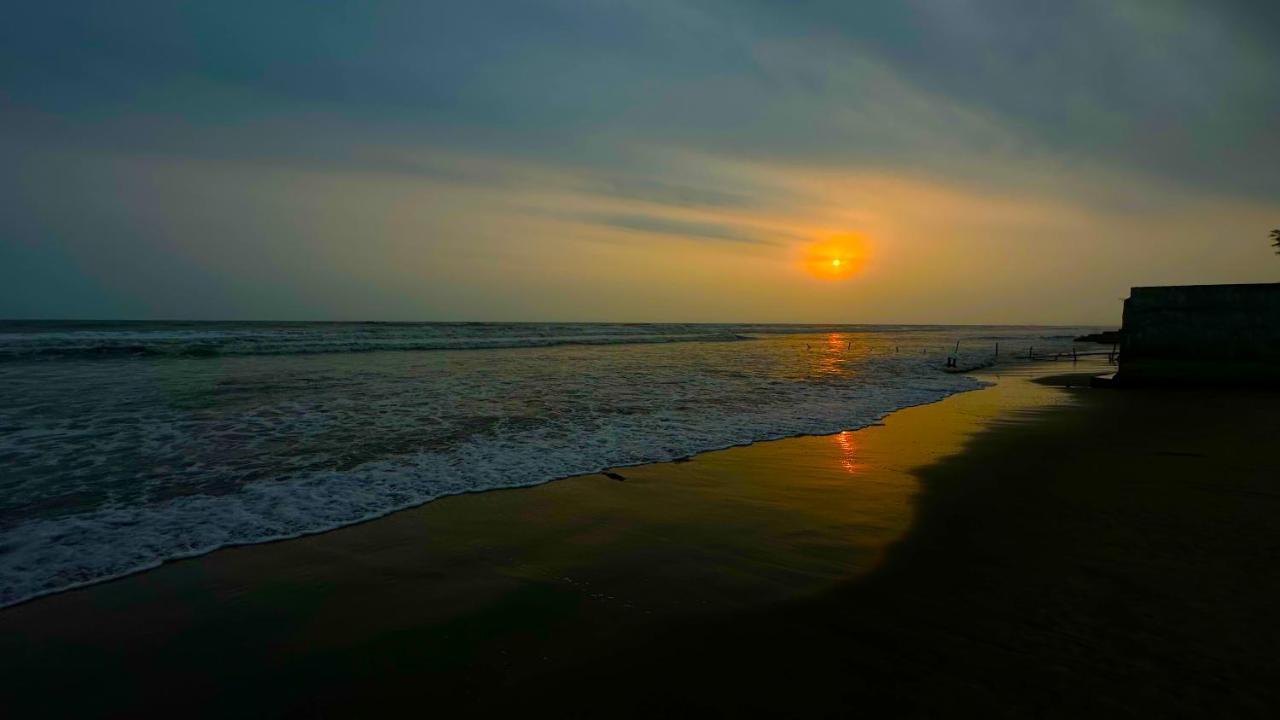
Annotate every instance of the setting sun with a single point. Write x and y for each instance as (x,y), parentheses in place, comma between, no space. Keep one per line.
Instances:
(836,258)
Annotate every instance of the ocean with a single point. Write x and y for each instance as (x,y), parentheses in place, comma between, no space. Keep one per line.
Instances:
(126,444)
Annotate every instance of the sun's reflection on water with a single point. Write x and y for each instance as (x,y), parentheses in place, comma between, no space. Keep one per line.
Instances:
(832,355)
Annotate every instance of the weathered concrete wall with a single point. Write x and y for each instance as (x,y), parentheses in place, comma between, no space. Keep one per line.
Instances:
(1226,334)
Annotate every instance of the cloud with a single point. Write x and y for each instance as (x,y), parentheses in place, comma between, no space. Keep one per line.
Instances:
(288,158)
(653,224)
(1176,91)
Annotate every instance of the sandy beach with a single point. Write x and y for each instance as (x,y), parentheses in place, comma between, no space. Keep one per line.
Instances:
(1035,547)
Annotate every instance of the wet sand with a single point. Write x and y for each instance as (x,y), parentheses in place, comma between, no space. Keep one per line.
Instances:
(1028,548)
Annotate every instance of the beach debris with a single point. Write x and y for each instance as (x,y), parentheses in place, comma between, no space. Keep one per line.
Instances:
(612,475)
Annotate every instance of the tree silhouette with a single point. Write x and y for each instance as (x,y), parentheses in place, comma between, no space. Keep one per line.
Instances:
(1275,240)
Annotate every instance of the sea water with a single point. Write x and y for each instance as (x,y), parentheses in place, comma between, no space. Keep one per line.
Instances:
(123,445)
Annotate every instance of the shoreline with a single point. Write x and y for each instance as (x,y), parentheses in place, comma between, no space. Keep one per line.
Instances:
(920,559)
(270,540)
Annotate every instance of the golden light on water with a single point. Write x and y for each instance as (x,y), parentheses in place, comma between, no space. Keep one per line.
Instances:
(838,257)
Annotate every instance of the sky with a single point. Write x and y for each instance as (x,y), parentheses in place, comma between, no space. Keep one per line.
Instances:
(1002,161)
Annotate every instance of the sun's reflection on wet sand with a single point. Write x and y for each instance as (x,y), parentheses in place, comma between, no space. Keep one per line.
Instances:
(848,443)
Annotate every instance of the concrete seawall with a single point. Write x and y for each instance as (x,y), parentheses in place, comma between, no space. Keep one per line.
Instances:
(1198,334)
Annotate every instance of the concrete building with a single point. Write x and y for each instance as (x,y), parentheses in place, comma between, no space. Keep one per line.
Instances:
(1202,334)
